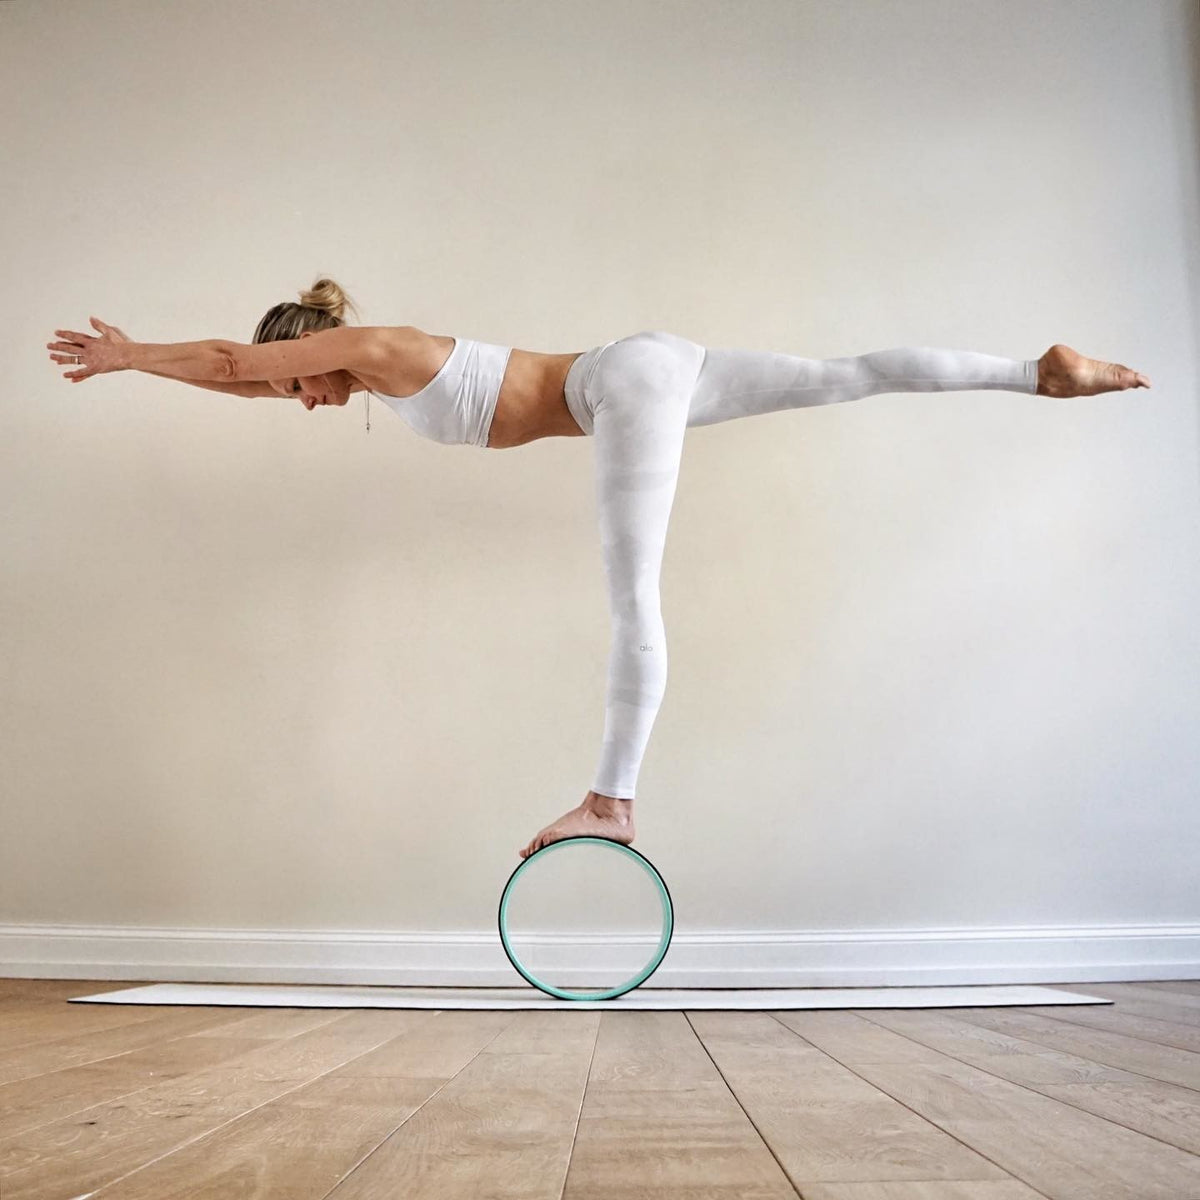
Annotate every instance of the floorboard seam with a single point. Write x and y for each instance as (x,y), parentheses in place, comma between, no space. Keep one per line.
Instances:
(919,1115)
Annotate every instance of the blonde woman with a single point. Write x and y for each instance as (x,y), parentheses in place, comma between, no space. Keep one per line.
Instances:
(635,396)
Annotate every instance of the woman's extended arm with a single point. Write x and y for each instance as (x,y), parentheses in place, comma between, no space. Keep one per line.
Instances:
(342,347)
(187,361)
(122,342)
(257,387)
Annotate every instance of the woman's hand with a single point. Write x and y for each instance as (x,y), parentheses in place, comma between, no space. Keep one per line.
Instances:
(98,355)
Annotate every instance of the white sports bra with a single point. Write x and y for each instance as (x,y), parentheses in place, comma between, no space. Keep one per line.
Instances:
(457,405)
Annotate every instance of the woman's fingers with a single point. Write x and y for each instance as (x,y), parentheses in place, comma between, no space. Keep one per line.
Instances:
(64,352)
(75,346)
(68,351)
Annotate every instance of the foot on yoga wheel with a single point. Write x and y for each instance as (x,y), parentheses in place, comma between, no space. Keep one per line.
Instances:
(598,816)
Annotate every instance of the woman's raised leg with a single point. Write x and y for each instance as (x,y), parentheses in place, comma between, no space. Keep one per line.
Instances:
(742,383)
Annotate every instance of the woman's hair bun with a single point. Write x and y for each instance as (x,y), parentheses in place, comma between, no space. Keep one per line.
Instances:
(328,297)
(322,306)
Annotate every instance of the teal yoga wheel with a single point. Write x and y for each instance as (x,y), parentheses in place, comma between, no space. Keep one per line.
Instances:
(668,921)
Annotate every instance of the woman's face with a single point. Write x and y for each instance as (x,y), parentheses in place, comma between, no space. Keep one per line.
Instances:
(314,390)
(334,387)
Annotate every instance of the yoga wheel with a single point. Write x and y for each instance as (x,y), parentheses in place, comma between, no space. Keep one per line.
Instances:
(575,890)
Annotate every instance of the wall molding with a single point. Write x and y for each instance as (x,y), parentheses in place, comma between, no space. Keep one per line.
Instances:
(794,959)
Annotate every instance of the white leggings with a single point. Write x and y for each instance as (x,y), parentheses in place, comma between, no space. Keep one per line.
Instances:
(636,396)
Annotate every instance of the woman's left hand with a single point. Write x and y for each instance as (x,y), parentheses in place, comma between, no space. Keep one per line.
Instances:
(98,355)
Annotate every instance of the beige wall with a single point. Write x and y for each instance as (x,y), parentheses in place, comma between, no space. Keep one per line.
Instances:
(933,657)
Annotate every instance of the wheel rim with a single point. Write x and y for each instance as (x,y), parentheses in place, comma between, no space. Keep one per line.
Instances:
(664,941)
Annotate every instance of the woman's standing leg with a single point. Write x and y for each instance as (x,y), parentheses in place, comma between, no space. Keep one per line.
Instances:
(641,413)
(640,392)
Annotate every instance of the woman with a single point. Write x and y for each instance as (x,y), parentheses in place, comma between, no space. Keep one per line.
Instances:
(635,396)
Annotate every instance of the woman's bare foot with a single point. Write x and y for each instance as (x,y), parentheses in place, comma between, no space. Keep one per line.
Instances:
(1065,372)
(597,816)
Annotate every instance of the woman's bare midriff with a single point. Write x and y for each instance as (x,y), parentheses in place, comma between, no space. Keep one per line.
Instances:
(532,402)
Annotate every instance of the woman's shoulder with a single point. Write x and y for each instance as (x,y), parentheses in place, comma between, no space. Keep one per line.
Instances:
(410,342)
(410,358)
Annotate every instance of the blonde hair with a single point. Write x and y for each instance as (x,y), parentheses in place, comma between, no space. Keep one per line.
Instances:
(323,306)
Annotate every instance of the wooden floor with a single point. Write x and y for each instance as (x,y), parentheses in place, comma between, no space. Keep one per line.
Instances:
(155,1103)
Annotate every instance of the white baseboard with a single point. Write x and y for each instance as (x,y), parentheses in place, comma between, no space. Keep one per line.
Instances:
(797,959)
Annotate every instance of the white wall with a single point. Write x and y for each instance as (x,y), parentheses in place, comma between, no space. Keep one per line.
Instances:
(933,657)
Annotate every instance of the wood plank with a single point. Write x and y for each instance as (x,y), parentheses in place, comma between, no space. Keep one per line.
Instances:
(1162,1110)
(997,1189)
(1118,1020)
(1051,1146)
(27,1103)
(438,1050)
(329,1046)
(554,1032)
(47,990)
(851,1039)
(821,1120)
(107,1141)
(1165,1063)
(1150,991)
(501,1128)
(1189,987)
(22,1027)
(272,1023)
(270,1138)
(58,1054)
(1146,1002)
(658,1120)
(75,1156)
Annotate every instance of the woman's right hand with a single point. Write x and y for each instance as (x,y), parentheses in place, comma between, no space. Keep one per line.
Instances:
(68,353)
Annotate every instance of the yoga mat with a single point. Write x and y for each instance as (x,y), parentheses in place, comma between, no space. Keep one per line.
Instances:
(674,999)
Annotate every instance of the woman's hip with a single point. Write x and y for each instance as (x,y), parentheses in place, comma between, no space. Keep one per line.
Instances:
(649,367)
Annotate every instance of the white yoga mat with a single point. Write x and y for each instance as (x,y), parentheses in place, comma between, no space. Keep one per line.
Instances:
(758,999)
